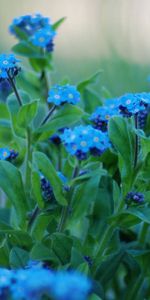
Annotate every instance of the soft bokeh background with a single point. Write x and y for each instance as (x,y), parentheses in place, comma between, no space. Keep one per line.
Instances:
(112,35)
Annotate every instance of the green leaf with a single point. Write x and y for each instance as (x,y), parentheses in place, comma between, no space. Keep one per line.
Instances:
(26,49)
(18,258)
(93,79)
(4,113)
(6,134)
(36,188)
(45,166)
(14,107)
(61,246)
(4,254)
(40,225)
(66,116)
(26,114)
(94,297)
(57,24)
(123,140)
(132,216)
(84,268)
(11,184)
(107,269)
(41,252)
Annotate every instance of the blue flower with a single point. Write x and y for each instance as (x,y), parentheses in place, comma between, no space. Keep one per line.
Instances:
(35,282)
(6,154)
(8,65)
(28,283)
(134,198)
(131,104)
(102,114)
(60,94)
(47,190)
(43,37)
(29,24)
(71,286)
(38,30)
(82,140)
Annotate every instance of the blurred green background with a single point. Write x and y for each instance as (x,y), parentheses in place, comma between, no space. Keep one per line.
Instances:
(112,35)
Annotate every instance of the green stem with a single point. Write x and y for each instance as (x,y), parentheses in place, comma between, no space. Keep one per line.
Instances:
(43,77)
(48,115)
(28,163)
(135,290)
(66,209)
(136,142)
(143,233)
(11,81)
(104,242)
(33,216)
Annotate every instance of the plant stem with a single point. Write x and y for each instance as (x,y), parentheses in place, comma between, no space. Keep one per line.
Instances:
(44,77)
(28,162)
(134,292)
(48,115)
(104,242)
(11,81)
(33,216)
(66,209)
(136,141)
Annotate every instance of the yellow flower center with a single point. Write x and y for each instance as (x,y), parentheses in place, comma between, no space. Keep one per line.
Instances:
(83,143)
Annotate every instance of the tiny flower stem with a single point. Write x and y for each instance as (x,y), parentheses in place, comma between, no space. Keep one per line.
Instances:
(48,115)
(33,216)
(11,81)
(104,242)
(136,141)
(43,77)
(66,209)
(28,162)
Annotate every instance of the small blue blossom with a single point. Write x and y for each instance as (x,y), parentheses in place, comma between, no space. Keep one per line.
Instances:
(101,116)
(28,283)
(47,190)
(43,37)
(38,30)
(29,24)
(6,154)
(60,94)
(82,140)
(134,198)
(8,65)
(71,286)
(131,104)
(35,282)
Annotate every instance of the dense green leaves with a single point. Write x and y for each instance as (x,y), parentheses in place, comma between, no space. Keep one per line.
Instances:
(12,185)
(45,166)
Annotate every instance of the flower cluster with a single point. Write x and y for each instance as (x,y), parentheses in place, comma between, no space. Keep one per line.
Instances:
(60,94)
(6,154)
(85,139)
(26,284)
(37,29)
(47,190)
(134,198)
(101,116)
(8,66)
(131,104)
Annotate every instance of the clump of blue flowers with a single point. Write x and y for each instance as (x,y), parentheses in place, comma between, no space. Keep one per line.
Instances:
(47,190)
(36,282)
(37,29)
(134,198)
(84,140)
(101,116)
(131,104)
(60,94)
(8,154)
(8,66)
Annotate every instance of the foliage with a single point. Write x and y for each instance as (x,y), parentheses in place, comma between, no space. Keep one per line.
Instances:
(65,210)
